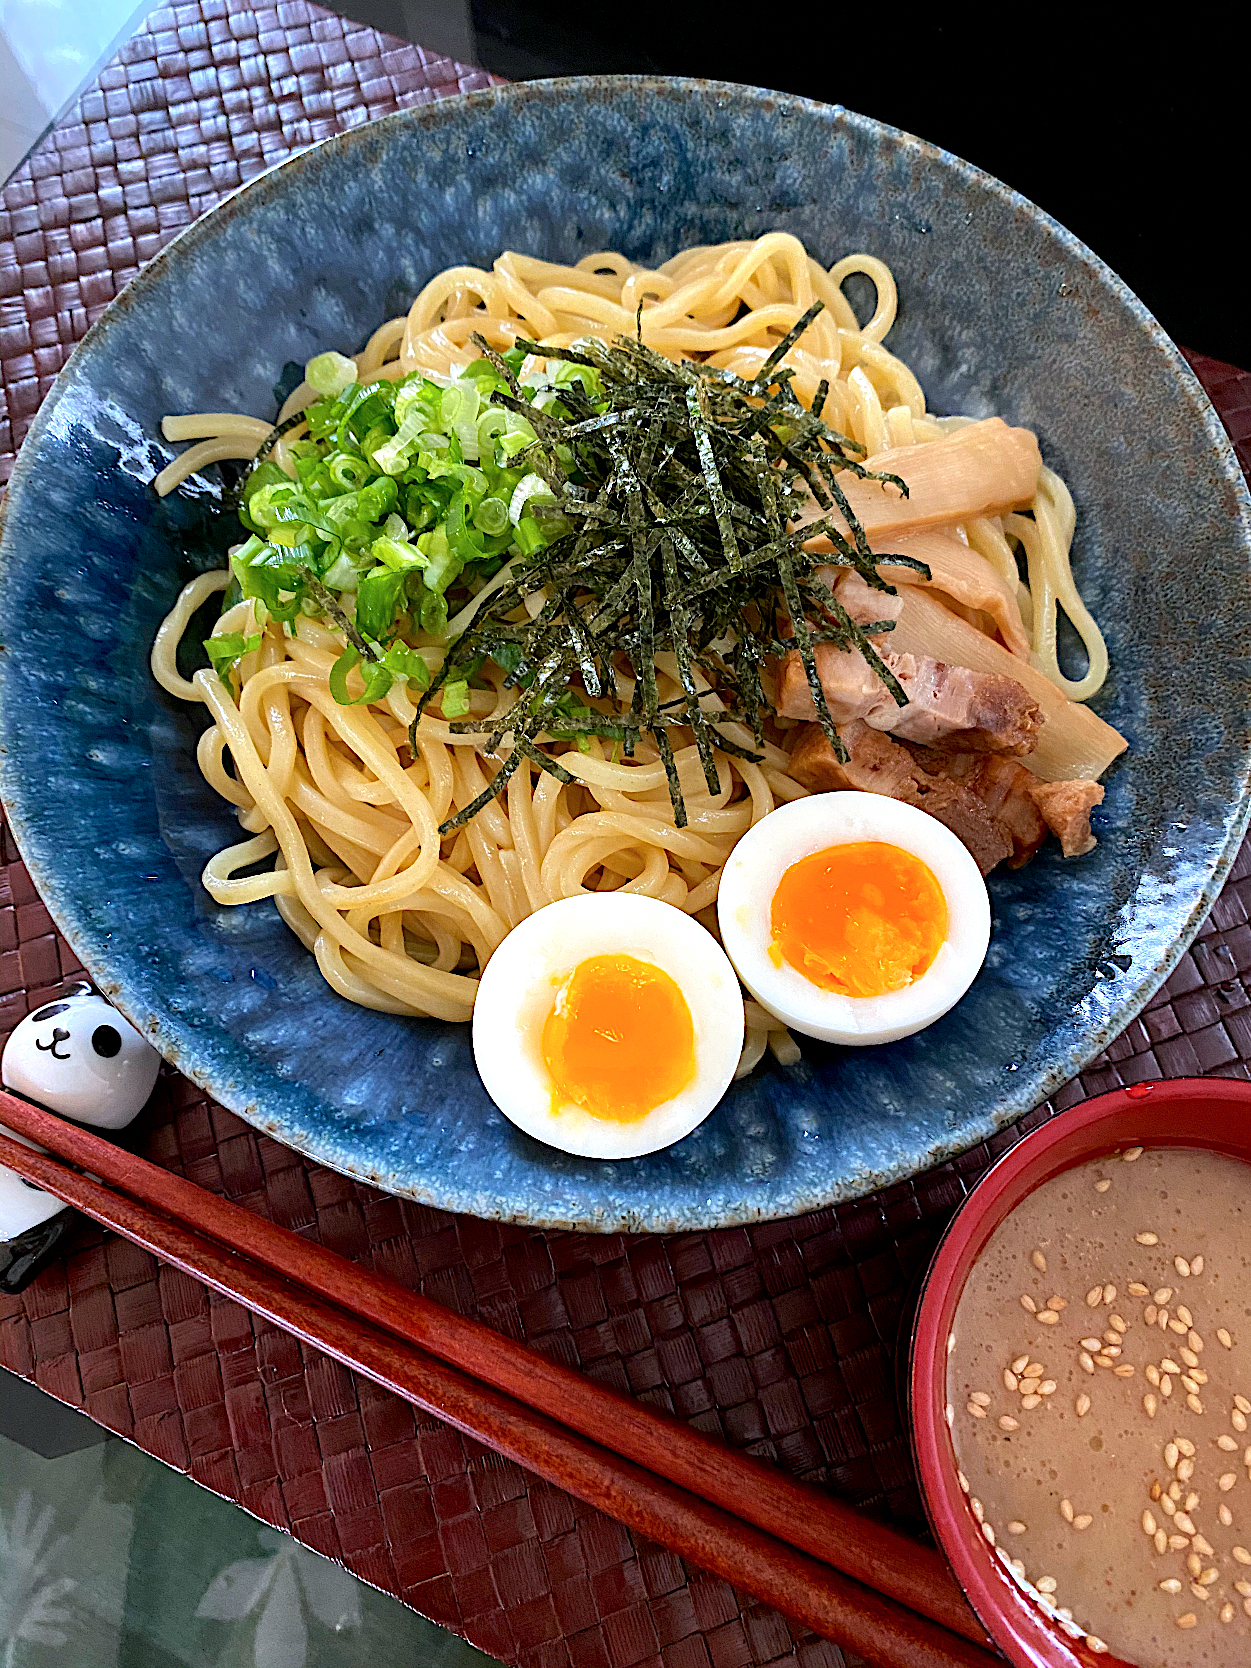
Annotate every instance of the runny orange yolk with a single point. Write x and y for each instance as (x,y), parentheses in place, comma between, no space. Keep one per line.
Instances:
(860,919)
(619,1041)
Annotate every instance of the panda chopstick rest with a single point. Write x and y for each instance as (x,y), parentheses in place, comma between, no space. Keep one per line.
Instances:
(78,1057)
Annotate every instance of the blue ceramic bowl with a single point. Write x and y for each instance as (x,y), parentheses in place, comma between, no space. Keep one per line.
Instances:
(1002,311)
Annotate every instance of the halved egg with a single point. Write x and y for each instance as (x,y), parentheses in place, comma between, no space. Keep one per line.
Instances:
(854,918)
(608,1025)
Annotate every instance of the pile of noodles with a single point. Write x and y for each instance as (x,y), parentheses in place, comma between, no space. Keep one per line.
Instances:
(400,919)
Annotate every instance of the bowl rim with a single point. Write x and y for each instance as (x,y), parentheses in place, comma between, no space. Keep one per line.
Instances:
(108,968)
(1017,1626)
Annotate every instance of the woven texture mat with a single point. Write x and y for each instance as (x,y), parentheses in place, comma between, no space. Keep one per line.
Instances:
(780,1339)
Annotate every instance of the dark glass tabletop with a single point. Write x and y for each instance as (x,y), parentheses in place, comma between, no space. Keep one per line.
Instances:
(112,1560)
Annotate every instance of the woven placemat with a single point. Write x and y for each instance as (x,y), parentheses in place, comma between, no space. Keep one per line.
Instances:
(202,99)
(780,1339)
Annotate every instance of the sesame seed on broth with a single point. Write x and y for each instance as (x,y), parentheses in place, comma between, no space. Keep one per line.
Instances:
(1102,1360)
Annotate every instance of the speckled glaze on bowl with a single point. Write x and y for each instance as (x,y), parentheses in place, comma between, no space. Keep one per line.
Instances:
(1002,311)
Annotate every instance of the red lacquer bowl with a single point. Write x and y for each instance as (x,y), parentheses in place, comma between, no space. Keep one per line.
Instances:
(1189,1112)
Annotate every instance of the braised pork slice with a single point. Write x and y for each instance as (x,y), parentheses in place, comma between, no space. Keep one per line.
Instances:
(975,712)
(970,712)
(879,765)
(876,764)
(1004,787)
(980,469)
(994,807)
(1066,806)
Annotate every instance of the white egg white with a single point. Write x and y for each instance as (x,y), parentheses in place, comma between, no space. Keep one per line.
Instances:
(518,991)
(804,826)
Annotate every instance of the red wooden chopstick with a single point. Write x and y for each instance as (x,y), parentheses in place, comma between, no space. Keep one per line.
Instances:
(241,1253)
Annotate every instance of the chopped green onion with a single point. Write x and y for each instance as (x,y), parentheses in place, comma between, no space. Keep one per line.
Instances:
(417,394)
(459,404)
(378,595)
(377,679)
(378,498)
(529,487)
(329,374)
(432,612)
(407,664)
(481,370)
(491,517)
(566,374)
(378,435)
(493,421)
(228,648)
(401,557)
(456,698)
(347,472)
(529,537)
(360,409)
(342,574)
(392,457)
(443,564)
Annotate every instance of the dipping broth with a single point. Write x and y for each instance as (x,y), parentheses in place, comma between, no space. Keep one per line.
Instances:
(1099,1397)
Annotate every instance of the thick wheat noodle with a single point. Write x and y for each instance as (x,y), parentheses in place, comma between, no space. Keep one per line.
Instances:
(173,628)
(1047,538)
(366,828)
(399,919)
(219,872)
(209,756)
(445,995)
(304,763)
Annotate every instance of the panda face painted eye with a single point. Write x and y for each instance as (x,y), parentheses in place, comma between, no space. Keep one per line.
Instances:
(106,1041)
(53,1008)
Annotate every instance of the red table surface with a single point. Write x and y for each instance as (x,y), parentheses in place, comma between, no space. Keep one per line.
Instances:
(781,1339)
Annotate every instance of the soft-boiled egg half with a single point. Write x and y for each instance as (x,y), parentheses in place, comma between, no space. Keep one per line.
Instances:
(608,1025)
(854,918)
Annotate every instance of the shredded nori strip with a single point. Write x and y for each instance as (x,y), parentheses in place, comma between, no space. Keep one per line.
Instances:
(673,505)
(326,600)
(275,435)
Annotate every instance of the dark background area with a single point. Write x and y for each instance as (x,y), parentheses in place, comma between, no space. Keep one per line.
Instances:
(1115,131)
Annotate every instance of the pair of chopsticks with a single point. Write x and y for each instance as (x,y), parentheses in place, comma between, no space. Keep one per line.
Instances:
(857,1582)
